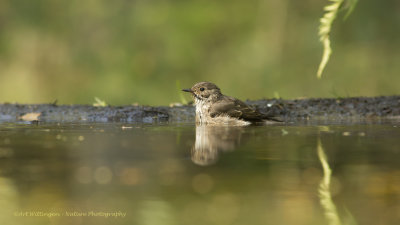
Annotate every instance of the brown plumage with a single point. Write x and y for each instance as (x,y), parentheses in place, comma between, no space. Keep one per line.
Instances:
(212,107)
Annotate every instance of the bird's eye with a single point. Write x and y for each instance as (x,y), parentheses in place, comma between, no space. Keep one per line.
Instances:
(201,89)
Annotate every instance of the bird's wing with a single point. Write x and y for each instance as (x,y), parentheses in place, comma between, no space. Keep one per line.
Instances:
(235,108)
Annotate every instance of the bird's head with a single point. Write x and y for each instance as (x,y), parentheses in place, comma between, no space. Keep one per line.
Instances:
(204,91)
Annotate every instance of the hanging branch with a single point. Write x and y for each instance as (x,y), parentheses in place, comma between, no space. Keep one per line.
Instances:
(325,26)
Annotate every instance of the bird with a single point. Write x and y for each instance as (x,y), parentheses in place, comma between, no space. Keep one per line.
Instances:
(214,108)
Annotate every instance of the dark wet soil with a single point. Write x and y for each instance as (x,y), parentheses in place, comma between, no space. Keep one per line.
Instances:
(359,107)
(385,106)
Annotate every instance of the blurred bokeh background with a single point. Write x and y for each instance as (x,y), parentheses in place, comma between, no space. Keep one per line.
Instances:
(129,51)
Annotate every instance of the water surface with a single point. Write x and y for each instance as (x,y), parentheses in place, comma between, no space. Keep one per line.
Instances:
(121,173)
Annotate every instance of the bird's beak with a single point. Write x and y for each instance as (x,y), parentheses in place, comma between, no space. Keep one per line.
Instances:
(187,90)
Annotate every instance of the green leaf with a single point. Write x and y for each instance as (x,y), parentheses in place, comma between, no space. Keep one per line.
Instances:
(99,103)
(325,26)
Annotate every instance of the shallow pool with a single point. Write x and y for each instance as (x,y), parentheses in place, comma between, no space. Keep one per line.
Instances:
(122,173)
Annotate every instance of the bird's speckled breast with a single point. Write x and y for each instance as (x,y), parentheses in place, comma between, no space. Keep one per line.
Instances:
(201,111)
(203,116)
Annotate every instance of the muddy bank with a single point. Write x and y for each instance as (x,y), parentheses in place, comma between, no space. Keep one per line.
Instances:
(360,107)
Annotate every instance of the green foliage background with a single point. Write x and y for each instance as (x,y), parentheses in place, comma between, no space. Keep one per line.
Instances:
(135,51)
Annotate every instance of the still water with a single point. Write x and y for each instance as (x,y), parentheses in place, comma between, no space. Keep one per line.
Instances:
(118,173)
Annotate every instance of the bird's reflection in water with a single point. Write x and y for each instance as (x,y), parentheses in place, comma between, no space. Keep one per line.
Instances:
(211,140)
